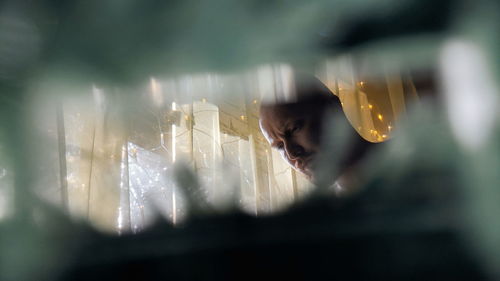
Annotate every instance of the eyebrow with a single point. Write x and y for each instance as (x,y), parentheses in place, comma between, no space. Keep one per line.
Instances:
(275,143)
(277,133)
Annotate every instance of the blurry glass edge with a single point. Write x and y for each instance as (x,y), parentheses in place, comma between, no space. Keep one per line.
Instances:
(214,79)
(472,95)
(6,186)
(99,100)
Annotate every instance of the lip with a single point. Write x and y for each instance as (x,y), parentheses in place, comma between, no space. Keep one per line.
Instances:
(308,173)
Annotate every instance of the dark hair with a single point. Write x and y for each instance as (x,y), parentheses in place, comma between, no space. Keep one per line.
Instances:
(310,90)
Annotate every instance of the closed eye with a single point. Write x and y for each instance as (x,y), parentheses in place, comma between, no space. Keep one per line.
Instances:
(297,125)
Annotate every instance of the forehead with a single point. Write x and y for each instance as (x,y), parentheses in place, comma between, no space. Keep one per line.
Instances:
(281,113)
(275,118)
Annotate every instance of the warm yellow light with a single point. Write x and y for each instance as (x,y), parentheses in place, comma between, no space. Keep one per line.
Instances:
(254,101)
(242,117)
(362,107)
(389,127)
(384,136)
(370,106)
(380,117)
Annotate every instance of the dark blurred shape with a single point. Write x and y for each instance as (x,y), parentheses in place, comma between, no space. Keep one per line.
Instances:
(410,233)
(391,21)
(408,222)
(295,129)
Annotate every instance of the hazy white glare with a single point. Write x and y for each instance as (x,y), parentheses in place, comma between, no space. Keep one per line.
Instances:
(6,188)
(469,92)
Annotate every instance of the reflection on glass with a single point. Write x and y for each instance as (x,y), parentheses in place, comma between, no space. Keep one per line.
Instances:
(111,158)
(373,101)
(6,189)
(118,157)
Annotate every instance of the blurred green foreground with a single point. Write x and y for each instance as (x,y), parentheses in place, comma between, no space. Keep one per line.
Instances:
(428,210)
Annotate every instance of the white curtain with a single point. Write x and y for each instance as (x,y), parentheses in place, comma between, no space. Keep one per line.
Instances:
(110,154)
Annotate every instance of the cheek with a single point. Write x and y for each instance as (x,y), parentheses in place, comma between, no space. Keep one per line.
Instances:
(309,137)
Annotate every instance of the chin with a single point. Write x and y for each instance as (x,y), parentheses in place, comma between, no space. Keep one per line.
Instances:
(308,174)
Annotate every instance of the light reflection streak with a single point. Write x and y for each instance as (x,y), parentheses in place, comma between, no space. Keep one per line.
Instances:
(174,133)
